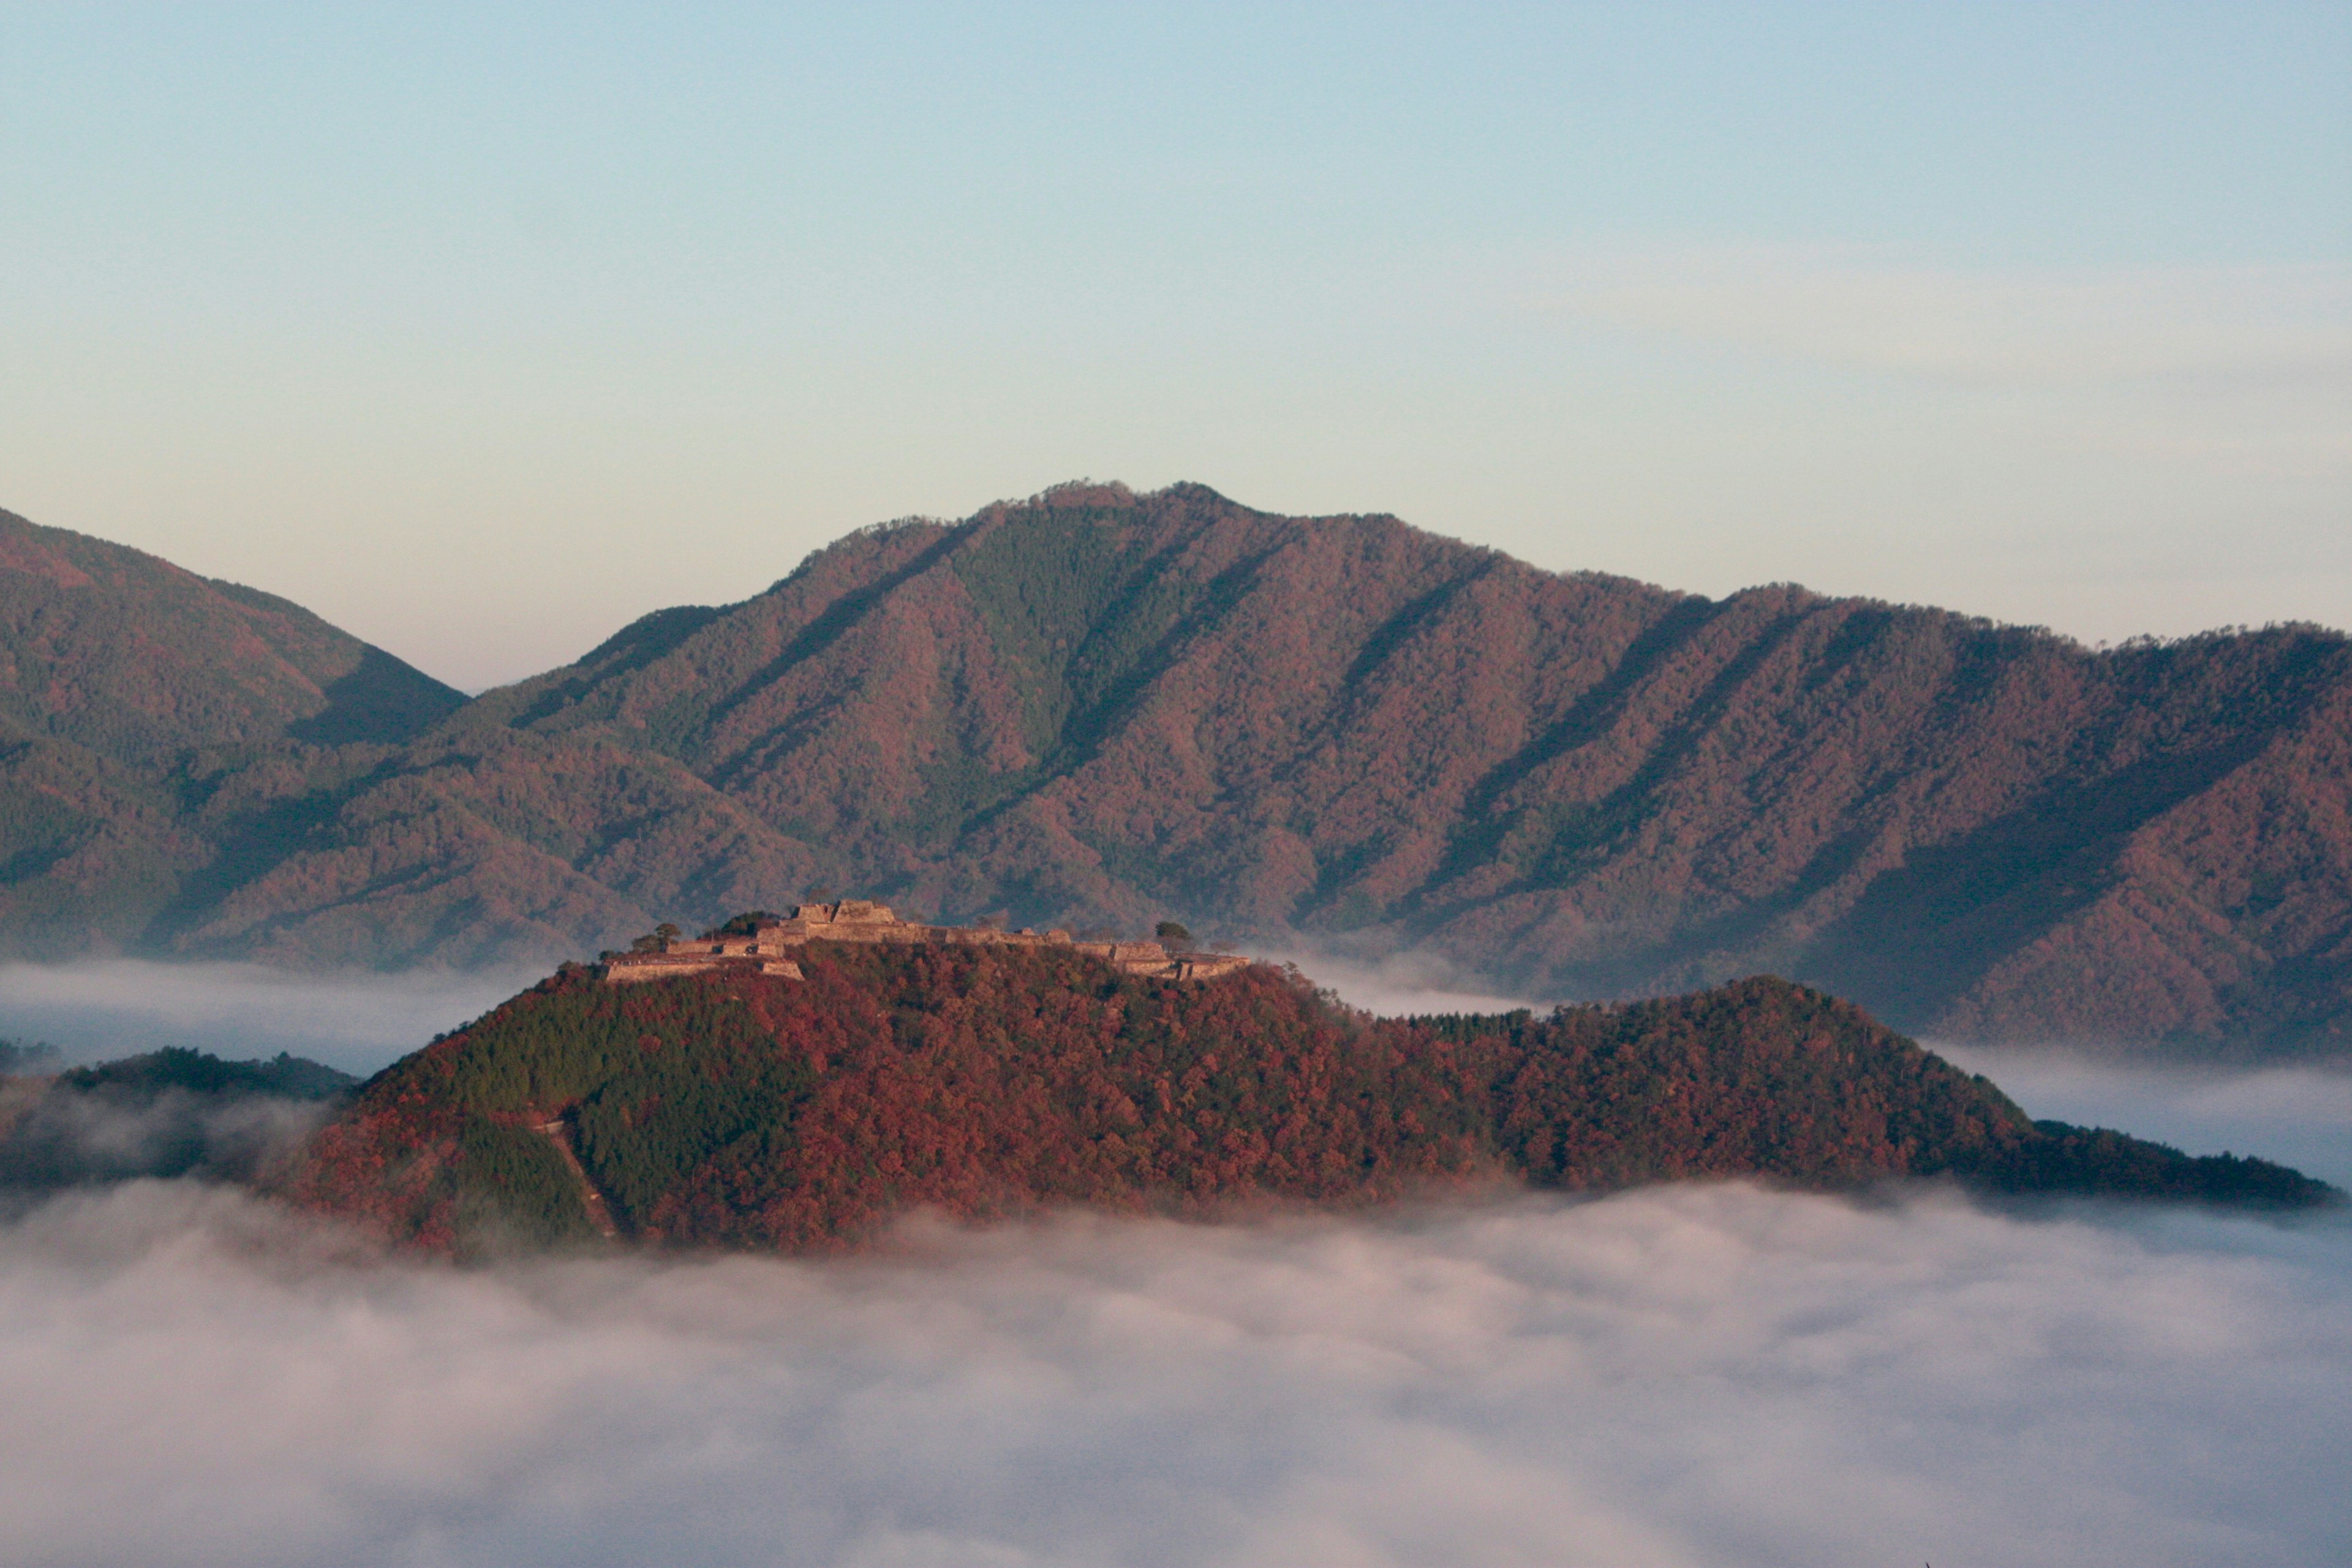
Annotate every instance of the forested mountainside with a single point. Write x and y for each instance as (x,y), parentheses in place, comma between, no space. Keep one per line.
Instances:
(133,660)
(130,691)
(1103,709)
(739,1110)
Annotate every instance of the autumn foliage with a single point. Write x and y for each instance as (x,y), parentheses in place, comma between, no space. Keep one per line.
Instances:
(745,1111)
(1096,708)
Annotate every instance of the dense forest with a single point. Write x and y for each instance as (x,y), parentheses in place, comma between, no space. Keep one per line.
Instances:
(739,1111)
(1102,709)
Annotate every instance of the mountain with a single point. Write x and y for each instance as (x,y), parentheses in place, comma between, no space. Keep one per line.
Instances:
(129,690)
(743,1111)
(1101,709)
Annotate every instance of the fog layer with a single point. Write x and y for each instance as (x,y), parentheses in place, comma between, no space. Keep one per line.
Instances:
(2296,1116)
(359,1023)
(1692,1375)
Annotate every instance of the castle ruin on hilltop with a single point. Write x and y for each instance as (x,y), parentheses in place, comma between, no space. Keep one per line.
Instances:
(769,944)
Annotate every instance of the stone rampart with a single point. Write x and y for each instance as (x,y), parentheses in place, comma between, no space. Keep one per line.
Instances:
(766,947)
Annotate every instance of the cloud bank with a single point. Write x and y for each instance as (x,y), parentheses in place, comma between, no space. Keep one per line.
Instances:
(1683,1376)
(1695,1375)
(356,1022)
(2298,1116)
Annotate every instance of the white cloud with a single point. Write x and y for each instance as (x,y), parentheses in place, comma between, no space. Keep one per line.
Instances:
(1399,984)
(1695,1375)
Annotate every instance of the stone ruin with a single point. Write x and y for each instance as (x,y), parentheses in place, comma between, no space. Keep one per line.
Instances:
(768,948)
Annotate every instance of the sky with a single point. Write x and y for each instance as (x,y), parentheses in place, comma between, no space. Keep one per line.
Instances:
(481,332)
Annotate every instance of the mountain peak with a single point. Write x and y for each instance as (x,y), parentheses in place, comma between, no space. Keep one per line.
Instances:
(1105,707)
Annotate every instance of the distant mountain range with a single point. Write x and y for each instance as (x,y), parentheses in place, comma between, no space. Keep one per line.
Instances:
(1097,709)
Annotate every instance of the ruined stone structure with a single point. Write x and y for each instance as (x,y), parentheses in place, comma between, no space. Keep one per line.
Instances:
(768,946)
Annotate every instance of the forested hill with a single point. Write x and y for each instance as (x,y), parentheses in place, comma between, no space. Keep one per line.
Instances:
(745,1111)
(1103,709)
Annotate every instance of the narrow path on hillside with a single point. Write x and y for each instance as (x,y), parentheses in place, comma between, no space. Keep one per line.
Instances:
(600,1213)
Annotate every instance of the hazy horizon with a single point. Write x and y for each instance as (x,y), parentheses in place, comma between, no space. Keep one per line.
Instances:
(431,320)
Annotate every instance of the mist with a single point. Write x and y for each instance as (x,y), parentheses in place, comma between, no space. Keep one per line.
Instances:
(70,1138)
(1699,1374)
(357,1021)
(1401,983)
(1686,1375)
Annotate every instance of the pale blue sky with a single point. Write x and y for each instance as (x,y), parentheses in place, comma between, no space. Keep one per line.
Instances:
(436,323)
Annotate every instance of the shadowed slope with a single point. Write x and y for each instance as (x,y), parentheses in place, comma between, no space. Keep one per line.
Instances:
(1100,708)
(129,657)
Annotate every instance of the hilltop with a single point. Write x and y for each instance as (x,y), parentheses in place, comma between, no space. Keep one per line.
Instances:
(1097,709)
(743,1108)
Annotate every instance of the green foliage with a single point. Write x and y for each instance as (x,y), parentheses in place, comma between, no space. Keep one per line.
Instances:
(173,1112)
(684,1103)
(20,1056)
(2096,1162)
(515,1189)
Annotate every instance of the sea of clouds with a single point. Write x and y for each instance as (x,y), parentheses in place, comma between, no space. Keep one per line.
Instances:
(1713,1374)
(1717,1375)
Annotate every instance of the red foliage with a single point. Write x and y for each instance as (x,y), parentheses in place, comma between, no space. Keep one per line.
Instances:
(981,1081)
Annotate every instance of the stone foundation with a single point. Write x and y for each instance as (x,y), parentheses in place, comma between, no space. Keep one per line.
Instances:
(856,920)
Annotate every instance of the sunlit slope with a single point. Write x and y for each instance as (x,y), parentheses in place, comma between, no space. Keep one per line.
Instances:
(131,692)
(1105,707)
(1099,708)
(1108,708)
(744,1111)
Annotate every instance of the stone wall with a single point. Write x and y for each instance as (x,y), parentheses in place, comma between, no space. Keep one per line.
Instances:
(858,919)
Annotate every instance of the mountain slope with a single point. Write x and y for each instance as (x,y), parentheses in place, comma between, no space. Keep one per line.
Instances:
(1103,709)
(128,691)
(131,657)
(803,1113)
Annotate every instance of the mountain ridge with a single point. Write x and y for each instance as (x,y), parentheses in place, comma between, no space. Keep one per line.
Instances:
(1101,709)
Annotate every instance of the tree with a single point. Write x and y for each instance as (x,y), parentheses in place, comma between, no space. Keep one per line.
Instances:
(18,1058)
(1173,933)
